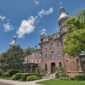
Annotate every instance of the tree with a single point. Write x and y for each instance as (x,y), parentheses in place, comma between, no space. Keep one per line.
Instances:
(29,51)
(74,40)
(2,59)
(14,58)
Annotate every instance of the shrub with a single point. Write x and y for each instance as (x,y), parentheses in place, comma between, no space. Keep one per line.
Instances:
(80,77)
(10,73)
(31,78)
(5,74)
(17,76)
(57,75)
(64,78)
(72,78)
(40,72)
(1,71)
(24,75)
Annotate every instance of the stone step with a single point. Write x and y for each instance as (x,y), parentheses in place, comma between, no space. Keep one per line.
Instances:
(49,76)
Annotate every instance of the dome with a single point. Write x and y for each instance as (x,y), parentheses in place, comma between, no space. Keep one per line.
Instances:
(63,14)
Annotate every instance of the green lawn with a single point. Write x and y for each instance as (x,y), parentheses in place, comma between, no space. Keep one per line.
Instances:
(62,82)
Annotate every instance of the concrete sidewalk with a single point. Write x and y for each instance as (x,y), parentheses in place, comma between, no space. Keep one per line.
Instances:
(20,82)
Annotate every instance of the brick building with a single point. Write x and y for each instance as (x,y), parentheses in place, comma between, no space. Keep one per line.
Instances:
(51,51)
(33,61)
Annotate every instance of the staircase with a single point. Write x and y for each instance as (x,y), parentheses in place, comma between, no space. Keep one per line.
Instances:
(49,76)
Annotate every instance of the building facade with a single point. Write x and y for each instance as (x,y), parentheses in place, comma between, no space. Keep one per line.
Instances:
(51,51)
(33,60)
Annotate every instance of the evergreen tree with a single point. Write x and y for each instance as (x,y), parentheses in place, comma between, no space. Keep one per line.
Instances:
(14,58)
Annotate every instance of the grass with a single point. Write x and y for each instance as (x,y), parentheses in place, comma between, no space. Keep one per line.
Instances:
(6,78)
(62,82)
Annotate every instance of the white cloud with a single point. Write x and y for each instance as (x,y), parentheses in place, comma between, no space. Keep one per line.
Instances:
(26,27)
(36,2)
(2,17)
(6,24)
(45,12)
(8,27)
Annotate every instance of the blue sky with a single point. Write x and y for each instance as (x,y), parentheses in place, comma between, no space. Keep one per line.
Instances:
(28,18)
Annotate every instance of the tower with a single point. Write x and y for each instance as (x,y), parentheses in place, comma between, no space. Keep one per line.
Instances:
(62,20)
(13,42)
(63,29)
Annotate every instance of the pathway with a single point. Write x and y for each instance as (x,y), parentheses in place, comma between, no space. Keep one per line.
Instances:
(1,83)
(10,82)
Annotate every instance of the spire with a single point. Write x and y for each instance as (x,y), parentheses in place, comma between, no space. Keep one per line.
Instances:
(13,42)
(61,7)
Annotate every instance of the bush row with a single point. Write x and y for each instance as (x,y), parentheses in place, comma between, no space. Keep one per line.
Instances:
(10,73)
(80,77)
(33,77)
(25,76)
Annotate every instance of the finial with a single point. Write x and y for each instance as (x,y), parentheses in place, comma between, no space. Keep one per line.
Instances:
(43,32)
(61,4)
(61,7)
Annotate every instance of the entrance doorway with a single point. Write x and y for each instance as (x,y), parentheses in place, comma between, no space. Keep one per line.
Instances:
(53,67)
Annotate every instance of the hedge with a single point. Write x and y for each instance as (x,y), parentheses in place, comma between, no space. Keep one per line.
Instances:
(17,76)
(10,73)
(80,77)
(31,78)
(24,75)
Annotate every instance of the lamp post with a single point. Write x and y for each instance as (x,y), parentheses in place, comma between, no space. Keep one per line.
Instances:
(82,60)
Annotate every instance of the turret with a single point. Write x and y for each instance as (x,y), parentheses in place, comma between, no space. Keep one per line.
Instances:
(43,34)
(62,20)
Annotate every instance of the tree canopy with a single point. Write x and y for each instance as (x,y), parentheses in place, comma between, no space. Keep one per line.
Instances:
(74,40)
(13,58)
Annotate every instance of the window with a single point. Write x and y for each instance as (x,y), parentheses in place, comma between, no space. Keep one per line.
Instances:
(52,54)
(46,45)
(66,61)
(46,55)
(60,64)
(59,53)
(51,45)
(58,43)
(78,65)
(64,29)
